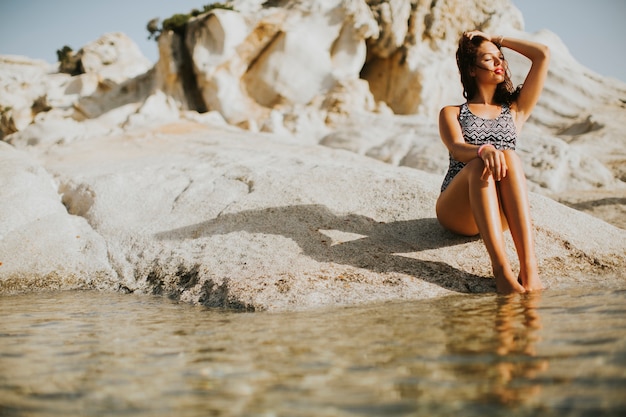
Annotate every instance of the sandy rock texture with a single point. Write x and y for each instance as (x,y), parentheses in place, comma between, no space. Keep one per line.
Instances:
(285,155)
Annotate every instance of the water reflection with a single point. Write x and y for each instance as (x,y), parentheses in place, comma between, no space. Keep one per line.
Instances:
(517,326)
(94,354)
(493,347)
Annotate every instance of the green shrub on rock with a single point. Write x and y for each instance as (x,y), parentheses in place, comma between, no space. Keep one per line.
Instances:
(69,62)
(178,22)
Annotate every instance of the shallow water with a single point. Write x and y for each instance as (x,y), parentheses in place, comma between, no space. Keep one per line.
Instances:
(560,353)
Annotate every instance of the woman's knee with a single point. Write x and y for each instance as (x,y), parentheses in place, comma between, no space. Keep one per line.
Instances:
(512,159)
(474,171)
(475,166)
(515,167)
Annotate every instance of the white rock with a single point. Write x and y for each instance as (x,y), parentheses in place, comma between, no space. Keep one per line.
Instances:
(201,214)
(82,85)
(41,245)
(392,18)
(212,118)
(22,81)
(114,57)
(53,129)
(556,167)
(157,108)
(111,60)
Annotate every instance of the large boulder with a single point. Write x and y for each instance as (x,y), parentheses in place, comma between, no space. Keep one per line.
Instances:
(246,64)
(221,217)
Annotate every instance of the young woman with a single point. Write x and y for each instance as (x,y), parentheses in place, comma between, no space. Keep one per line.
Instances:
(484,191)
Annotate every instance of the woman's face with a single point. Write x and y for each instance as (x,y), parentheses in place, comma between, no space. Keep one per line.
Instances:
(490,66)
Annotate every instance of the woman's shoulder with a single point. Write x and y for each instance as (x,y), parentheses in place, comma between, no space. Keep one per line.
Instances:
(450,114)
(452,108)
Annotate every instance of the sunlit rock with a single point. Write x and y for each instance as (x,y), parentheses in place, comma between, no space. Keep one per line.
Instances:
(41,246)
(114,57)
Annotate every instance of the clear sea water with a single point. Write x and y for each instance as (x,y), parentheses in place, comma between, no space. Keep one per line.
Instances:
(558,353)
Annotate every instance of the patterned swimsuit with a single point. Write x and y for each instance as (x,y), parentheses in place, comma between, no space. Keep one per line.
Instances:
(499,132)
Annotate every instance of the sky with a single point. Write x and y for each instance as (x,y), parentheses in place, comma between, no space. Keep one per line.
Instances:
(593,31)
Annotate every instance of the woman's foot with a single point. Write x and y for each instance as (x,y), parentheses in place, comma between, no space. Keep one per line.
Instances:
(530,280)
(506,282)
(532,283)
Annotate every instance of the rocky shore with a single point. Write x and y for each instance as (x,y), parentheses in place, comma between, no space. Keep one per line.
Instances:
(302,168)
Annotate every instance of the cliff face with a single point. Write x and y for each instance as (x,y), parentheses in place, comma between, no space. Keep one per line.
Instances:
(220,175)
(310,70)
(285,57)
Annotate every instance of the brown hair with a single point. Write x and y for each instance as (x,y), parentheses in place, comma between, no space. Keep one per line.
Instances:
(466,60)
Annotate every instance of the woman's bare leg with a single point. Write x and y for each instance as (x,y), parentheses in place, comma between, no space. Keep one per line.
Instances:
(470,205)
(514,197)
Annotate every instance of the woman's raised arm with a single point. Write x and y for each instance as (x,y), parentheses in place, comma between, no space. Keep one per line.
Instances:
(539,56)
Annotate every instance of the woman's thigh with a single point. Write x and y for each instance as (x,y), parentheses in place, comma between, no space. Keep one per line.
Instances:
(453,205)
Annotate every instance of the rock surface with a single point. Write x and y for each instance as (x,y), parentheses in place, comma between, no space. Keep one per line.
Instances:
(220,217)
(285,156)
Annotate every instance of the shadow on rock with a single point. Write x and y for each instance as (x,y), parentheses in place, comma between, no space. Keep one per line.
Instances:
(349,239)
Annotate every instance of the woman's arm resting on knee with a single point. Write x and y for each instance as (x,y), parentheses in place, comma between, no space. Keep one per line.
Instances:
(452,137)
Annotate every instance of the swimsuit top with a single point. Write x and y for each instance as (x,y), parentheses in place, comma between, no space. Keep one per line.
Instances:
(499,132)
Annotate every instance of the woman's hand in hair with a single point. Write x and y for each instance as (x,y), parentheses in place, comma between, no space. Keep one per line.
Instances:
(474,33)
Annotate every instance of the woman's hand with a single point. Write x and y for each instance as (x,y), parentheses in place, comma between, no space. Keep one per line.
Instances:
(473,33)
(495,163)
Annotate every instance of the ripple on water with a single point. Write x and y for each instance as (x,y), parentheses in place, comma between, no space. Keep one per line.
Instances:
(84,353)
